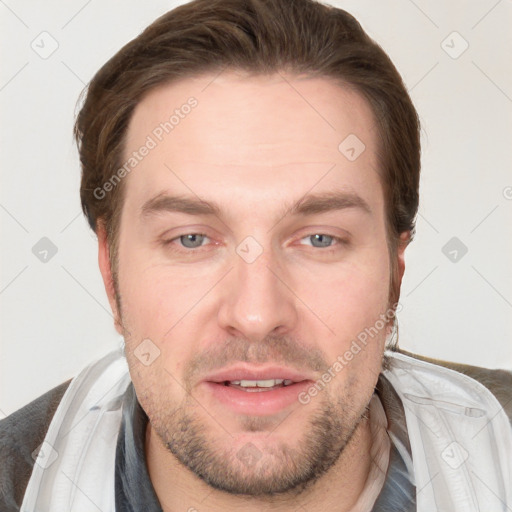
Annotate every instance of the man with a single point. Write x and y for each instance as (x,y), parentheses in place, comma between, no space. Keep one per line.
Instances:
(251,170)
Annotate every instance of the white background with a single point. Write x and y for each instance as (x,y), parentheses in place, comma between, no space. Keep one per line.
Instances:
(55,316)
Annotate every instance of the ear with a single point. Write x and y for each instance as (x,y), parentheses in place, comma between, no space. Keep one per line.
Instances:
(399,269)
(106,274)
(404,240)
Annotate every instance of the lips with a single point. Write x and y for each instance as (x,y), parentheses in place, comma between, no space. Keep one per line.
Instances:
(247,372)
(258,391)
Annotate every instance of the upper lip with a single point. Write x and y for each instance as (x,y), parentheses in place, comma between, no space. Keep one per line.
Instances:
(250,372)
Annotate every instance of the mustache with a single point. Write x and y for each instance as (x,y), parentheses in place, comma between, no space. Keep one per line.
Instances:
(283,350)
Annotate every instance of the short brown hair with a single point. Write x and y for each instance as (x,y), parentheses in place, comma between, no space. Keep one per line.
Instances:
(261,37)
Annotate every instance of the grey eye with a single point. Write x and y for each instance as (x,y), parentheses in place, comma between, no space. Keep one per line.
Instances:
(323,240)
(192,240)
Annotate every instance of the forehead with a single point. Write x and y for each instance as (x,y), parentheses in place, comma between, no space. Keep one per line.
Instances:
(260,136)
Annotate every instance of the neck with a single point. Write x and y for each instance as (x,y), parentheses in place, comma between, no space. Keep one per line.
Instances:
(338,489)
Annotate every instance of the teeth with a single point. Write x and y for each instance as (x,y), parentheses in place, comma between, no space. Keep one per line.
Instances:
(261,383)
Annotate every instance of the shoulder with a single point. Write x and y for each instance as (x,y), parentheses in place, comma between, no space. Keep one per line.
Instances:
(497,381)
(21,434)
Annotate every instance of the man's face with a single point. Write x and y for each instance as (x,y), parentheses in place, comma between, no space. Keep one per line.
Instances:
(266,287)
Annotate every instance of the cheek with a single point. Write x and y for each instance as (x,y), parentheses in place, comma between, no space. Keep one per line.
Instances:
(352,304)
(157,316)
(164,305)
(354,297)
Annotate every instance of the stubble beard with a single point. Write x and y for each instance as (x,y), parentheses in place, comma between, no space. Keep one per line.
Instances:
(275,469)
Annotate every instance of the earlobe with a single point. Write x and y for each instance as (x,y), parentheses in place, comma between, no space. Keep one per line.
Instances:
(106,273)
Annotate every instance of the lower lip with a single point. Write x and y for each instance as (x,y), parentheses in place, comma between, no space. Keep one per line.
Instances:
(256,403)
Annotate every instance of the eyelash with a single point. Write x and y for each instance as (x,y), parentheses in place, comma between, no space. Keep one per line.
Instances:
(339,242)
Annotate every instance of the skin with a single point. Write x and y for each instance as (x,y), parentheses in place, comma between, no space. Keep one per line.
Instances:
(254,145)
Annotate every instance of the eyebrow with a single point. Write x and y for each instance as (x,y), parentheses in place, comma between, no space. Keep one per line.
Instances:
(308,205)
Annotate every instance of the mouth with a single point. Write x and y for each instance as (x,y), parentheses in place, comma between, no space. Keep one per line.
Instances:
(256,391)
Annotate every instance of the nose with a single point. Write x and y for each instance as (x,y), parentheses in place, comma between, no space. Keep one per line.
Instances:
(257,300)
